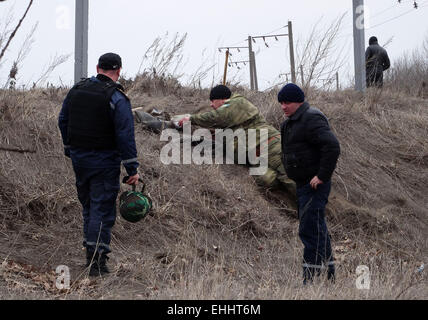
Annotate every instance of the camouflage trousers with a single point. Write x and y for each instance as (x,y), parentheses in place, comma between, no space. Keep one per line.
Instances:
(275,174)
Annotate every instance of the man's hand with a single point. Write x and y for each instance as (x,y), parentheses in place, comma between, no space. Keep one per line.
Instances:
(133,180)
(315,182)
(185,119)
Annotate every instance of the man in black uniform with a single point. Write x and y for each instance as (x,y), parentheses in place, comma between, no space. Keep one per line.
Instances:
(377,61)
(97,128)
(309,154)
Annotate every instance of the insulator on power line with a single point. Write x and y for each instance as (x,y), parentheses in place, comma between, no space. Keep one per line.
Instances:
(239,50)
(239,68)
(276,38)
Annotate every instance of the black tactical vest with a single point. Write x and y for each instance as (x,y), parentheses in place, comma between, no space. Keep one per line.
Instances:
(90,124)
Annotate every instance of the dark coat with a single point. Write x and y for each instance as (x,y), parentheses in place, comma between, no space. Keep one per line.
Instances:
(377,59)
(309,147)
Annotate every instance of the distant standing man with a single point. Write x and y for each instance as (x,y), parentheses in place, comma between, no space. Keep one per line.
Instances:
(97,128)
(377,61)
(309,153)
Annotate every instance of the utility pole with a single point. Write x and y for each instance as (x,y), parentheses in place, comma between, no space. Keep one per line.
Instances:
(225,67)
(227,63)
(81,40)
(337,81)
(359,42)
(253,73)
(250,56)
(255,82)
(292,65)
(301,75)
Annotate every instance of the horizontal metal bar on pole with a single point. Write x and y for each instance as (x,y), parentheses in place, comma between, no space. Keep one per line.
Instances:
(233,48)
(271,36)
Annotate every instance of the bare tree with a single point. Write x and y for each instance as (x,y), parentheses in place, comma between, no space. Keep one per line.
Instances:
(166,57)
(22,54)
(320,56)
(53,64)
(12,35)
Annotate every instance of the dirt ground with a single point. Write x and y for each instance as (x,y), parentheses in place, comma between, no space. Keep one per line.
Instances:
(214,234)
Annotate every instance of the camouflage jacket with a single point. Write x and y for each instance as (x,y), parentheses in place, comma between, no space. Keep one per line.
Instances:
(236,113)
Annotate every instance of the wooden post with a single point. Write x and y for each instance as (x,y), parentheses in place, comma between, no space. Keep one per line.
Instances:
(225,67)
(250,50)
(301,75)
(81,40)
(337,81)
(292,65)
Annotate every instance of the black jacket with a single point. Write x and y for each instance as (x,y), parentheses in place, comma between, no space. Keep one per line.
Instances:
(377,59)
(309,147)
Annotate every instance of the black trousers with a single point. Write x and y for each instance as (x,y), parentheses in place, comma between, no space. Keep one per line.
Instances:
(374,78)
(313,232)
(97,190)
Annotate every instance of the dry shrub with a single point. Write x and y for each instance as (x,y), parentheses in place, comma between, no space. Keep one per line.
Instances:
(409,73)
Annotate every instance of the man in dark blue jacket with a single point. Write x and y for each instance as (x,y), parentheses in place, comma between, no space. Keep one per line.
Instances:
(309,153)
(97,128)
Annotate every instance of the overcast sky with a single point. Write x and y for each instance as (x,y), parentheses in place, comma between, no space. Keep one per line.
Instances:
(128,27)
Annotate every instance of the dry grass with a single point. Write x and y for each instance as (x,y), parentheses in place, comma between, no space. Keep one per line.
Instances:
(215,234)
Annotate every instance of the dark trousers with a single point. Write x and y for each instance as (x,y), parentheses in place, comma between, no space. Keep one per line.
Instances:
(97,190)
(313,232)
(374,78)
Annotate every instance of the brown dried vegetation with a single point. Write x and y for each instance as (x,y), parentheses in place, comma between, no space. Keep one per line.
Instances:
(214,234)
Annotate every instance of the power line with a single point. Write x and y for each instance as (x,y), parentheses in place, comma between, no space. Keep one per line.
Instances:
(400,15)
(397,3)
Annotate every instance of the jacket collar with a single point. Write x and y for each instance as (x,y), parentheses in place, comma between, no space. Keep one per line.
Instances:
(103,78)
(301,110)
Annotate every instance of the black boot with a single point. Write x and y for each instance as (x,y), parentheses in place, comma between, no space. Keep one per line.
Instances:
(331,273)
(309,274)
(90,257)
(99,266)
(103,264)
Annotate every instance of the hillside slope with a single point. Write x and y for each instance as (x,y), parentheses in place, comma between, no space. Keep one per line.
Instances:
(214,234)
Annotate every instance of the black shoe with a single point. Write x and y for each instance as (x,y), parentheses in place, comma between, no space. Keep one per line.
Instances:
(99,266)
(331,274)
(309,274)
(103,264)
(90,257)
